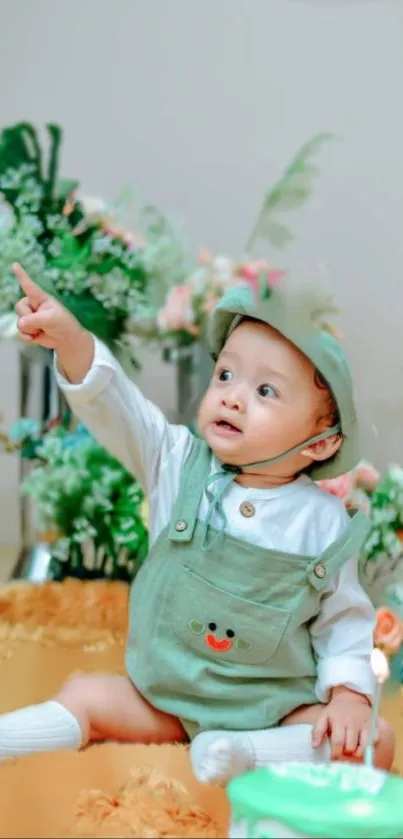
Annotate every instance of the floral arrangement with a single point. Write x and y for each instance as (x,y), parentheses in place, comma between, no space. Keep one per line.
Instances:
(89,508)
(113,281)
(388,633)
(187,306)
(381,561)
(388,637)
(381,498)
(120,285)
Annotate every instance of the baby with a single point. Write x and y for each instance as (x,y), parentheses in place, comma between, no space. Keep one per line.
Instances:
(249,633)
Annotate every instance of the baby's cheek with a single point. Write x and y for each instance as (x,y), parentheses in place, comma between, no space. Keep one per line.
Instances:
(203,414)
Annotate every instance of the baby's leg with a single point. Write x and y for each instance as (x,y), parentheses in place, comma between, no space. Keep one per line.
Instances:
(91,706)
(218,756)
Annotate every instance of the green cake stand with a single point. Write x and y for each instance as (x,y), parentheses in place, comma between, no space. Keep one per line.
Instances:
(316,801)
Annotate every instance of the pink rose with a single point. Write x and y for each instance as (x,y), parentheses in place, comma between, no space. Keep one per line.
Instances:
(342,487)
(388,634)
(209,303)
(274,276)
(360,501)
(124,236)
(178,312)
(223,274)
(254,270)
(205,257)
(366,476)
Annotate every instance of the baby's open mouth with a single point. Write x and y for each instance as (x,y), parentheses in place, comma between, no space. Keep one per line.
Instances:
(224,425)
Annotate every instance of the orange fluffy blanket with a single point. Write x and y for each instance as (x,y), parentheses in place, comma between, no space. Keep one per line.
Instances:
(109,790)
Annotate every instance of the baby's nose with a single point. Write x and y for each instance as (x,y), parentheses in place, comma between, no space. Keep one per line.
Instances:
(234,401)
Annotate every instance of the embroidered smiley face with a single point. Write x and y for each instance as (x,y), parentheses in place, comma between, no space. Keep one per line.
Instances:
(219,645)
(220,641)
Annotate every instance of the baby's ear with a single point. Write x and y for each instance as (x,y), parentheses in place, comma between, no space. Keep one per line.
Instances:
(324,449)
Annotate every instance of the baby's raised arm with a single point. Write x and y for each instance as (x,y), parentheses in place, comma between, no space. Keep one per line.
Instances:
(106,401)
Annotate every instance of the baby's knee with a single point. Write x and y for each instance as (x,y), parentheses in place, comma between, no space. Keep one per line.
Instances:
(78,694)
(385,747)
(77,688)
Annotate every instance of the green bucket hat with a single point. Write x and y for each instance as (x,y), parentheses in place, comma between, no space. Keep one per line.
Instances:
(301,325)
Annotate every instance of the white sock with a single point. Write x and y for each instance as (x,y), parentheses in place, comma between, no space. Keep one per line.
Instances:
(218,756)
(38,728)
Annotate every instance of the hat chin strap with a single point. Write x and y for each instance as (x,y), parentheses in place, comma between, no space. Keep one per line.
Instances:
(227,473)
(329,432)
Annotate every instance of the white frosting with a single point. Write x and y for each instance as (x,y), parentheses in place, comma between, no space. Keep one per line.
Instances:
(264,829)
(364,779)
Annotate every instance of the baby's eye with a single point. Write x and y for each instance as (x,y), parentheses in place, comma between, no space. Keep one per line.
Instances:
(225,375)
(268,391)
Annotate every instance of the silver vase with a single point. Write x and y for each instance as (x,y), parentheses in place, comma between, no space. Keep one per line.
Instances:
(193,372)
(41,399)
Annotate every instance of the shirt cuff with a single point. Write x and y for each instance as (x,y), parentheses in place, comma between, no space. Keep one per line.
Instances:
(95,381)
(352,673)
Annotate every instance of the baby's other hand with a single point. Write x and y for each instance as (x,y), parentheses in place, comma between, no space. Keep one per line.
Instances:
(346,721)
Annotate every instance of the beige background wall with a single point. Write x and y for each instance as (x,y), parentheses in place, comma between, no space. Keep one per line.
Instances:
(201,103)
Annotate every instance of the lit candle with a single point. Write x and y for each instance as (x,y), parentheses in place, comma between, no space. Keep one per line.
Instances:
(380,669)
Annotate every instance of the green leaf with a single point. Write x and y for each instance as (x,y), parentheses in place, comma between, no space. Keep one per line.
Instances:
(276,234)
(20,146)
(29,450)
(92,316)
(290,192)
(71,253)
(64,188)
(30,136)
(55,135)
(289,196)
(15,150)
(296,184)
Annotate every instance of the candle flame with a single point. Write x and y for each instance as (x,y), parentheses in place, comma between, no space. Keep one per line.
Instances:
(380,666)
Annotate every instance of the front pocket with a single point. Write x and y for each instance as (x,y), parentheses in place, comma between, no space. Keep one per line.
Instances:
(220,625)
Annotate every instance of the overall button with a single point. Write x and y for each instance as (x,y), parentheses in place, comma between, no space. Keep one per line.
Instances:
(247,509)
(181,525)
(319,571)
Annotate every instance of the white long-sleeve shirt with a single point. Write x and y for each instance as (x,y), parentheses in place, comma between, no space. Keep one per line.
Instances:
(297,518)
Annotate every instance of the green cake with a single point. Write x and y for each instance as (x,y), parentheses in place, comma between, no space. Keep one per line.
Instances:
(333,801)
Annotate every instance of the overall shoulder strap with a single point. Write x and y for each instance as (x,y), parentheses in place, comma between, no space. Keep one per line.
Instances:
(345,547)
(194,473)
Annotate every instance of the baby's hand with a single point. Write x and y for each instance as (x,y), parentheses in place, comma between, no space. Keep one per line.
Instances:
(345,720)
(44,321)
(41,318)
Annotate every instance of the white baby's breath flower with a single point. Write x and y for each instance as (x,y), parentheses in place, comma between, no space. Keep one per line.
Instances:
(396,474)
(83,530)
(383,515)
(392,544)
(372,541)
(61,549)
(223,267)
(8,325)
(6,216)
(92,205)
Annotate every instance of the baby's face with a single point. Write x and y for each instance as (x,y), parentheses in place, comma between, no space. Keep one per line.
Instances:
(262,399)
